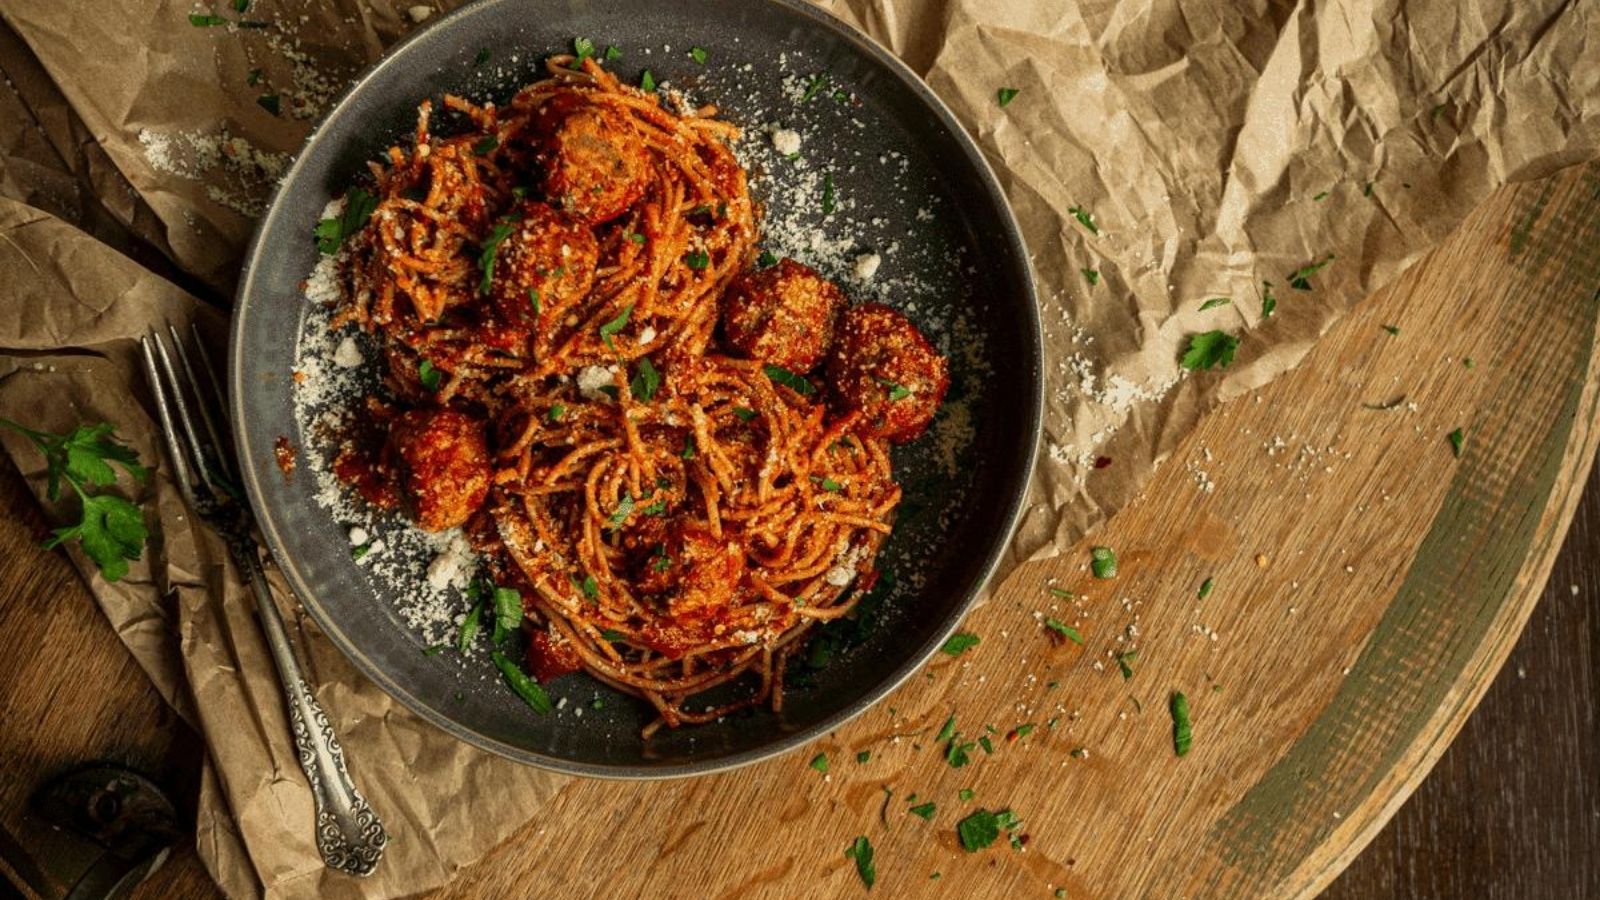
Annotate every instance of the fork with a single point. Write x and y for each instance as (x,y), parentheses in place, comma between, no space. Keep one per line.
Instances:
(350,837)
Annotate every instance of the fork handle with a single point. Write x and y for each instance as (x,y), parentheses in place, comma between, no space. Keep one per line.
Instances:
(350,837)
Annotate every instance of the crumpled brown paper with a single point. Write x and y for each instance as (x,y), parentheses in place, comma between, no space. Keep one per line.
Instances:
(1215,148)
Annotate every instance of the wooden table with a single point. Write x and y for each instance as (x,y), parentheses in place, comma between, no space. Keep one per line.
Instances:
(1513,811)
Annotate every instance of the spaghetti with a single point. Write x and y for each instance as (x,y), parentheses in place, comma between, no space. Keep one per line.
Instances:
(676,512)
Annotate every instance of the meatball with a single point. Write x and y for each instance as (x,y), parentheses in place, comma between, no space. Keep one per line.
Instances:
(594,166)
(697,571)
(444,465)
(549,255)
(784,314)
(884,368)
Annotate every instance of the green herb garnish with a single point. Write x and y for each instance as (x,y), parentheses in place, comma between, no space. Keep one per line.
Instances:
(925,810)
(358,207)
(863,756)
(636,237)
(621,513)
(744,413)
(647,380)
(697,259)
(204,21)
(965,794)
(270,103)
(1215,302)
(861,851)
(1085,218)
(766,259)
(1182,734)
(1300,279)
(647,81)
(610,329)
(110,530)
(486,255)
(1006,95)
(613,53)
(698,54)
(948,731)
(1125,663)
(429,375)
(486,144)
(978,830)
(688,447)
(1103,562)
(525,687)
(469,628)
(827,194)
(1268,302)
(611,634)
(582,48)
(959,643)
(820,762)
(1392,329)
(1205,588)
(482,57)
(1458,440)
(1063,629)
(1208,349)
(1091,275)
(790,380)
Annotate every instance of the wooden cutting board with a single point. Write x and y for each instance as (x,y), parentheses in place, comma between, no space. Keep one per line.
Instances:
(1366,585)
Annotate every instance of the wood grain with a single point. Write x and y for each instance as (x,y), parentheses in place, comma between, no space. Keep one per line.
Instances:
(1368,584)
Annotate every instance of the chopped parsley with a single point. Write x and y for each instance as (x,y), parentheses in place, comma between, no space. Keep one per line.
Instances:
(491,246)
(959,643)
(985,744)
(980,829)
(1268,302)
(827,194)
(647,381)
(525,687)
(861,851)
(435,650)
(655,509)
(358,207)
(1103,562)
(613,53)
(1208,349)
(698,54)
(253,78)
(610,329)
(924,810)
(965,794)
(788,379)
(1085,218)
(744,413)
(1125,663)
(1320,196)
(486,144)
(557,410)
(360,553)
(590,589)
(1063,629)
(1182,734)
(1091,275)
(270,103)
(863,756)
(507,613)
(948,731)
(621,513)
(1022,731)
(205,21)
(688,447)
(482,57)
(1006,95)
(1458,440)
(1300,279)
(697,259)
(956,752)
(636,237)
(1215,302)
(469,629)
(533,300)
(1205,588)
(827,484)
(815,86)
(583,49)
(1392,329)
(647,81)
(611,634)
(820,762)
(766,259)
(897,392)
(429,375)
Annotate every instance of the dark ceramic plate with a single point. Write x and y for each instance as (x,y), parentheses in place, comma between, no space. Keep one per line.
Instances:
(908,185)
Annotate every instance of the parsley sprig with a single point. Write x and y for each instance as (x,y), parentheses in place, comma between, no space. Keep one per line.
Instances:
(111,530)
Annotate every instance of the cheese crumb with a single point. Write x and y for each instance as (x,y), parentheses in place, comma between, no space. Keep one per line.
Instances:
(419,13)
(359,536)
(786,141)
(453,565)
(591,379)
(348,356)
(867,266)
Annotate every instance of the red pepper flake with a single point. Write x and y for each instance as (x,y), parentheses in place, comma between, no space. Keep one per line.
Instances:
(1100,462)
(1011,736)
(284,452)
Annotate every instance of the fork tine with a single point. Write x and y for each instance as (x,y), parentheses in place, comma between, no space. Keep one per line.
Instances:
(211,370)
(196,455)
(204,396)
(169,433)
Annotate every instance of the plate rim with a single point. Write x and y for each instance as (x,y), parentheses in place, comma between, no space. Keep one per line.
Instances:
(1015,506)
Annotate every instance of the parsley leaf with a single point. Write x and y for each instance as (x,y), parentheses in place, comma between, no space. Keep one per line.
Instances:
(897,392)
(948,731)
(1215,302)
(697,259)
(1085,218)
(924,810)
(1124,663)
(613,52)
(1103,562)
(429,375)
(1182,734)
(591,590)
(688,447)
(1268,302)
(469,628)
(1091,275)
(766,259)
(956,752)
(790,380)
(698,54)
(1458,440)
(820,762)
(647,81)
(331,232)
(1205,588)
(482,57)
(525,687)
(1208,349)
(1006,95)
(206,21)
(978,830)
(1300,279)
(609,329)
(270,103)
(861,851)
(815,86)
(959,643)
(621,513)
(965,794)
(1063,629)
(645,384)
(1393,330)
(507,613)
(583,48)
(827,194)
(486,144)
(611,634)
(491,245)
(745,414)
(557,410)
(636,237)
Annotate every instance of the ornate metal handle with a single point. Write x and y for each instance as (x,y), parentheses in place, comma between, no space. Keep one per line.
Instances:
(350,837)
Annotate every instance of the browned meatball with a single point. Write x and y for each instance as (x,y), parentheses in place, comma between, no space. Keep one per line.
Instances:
(697,570)
(595,167)
(548,255)
(784,314)
(444,465)
(884,367)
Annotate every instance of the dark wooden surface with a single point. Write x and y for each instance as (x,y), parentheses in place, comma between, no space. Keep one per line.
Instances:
(1512,810)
